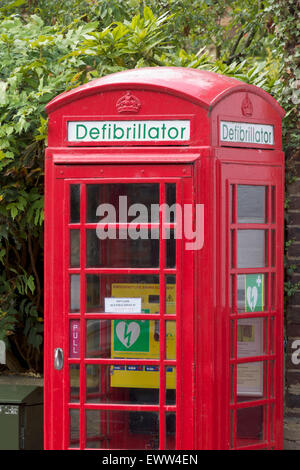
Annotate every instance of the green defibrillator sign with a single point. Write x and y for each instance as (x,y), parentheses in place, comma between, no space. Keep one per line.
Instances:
(254,292)
(131,335)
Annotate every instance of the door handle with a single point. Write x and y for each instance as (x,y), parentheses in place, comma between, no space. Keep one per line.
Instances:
(58,358)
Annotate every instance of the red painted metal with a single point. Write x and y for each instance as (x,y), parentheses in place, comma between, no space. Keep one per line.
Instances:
(209,411)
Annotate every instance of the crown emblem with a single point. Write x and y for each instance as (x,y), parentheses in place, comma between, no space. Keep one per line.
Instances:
(247,106)
(128,103)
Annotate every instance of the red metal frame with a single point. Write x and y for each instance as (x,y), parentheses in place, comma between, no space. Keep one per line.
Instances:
(268,176)
(203,169)
(184,192)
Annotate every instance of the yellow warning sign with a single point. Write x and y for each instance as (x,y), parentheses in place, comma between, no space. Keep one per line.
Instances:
(140,339)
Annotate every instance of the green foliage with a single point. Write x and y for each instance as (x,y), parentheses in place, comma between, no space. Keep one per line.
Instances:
(47,47)
(290,286)
(32,71)
(8,312)
(126,44)
(229,27)
(286,16)
(37,62)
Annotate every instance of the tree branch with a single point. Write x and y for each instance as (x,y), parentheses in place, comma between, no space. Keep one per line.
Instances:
(234,48)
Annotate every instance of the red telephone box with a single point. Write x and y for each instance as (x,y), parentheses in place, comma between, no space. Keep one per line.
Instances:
(164,264)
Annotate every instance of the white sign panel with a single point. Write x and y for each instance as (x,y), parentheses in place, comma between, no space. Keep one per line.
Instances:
(123,305)
(250,337)
(129,131)
(246,133)
(249,344)
(250,379)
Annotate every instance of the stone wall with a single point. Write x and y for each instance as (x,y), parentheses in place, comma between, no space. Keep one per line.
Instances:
(292,321)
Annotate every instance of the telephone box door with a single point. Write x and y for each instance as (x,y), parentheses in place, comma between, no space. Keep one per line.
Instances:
(122,308)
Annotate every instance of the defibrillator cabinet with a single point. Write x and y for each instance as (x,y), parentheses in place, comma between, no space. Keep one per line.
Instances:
(164,264)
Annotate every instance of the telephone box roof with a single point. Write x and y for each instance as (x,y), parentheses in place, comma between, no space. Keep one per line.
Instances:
(199,86)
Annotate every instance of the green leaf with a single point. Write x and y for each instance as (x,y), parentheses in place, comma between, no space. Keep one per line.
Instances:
(31,284)
(3,96)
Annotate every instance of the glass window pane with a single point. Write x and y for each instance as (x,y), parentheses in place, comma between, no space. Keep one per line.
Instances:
(170,385)
(122,199)
(74,428)
(250,337)
(74,203)
(170,339)
(232,339)
(170,249)
(249,426)
(251,248)
(170,200)
(144,287)
(170,431)
(250,380)
(122,384)
(232,388)
(232,422)
(75,293)
(74,248)
(251,204)
(251,292)
(273,209)
(232,293)
(273,292)
(171,294)
(122,250)
(74,372)
(122,429)
(273,248)
(129,339)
